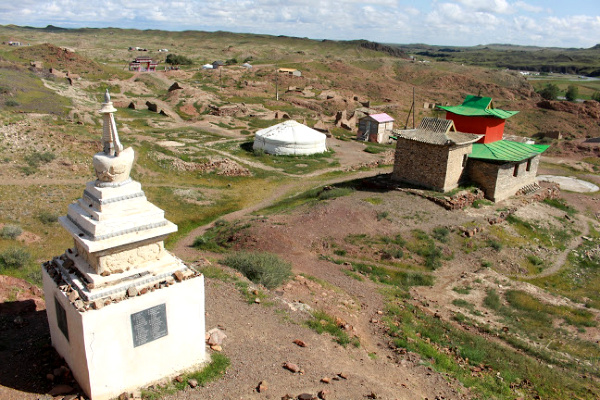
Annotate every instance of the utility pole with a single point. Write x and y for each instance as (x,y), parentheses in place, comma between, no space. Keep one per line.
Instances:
(413,107)
(276,83)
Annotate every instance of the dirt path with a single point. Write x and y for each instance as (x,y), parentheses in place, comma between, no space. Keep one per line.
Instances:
(561,259)
(183,247)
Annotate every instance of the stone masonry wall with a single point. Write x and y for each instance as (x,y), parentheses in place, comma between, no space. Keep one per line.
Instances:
(420,164)
(456,166)
(500,181)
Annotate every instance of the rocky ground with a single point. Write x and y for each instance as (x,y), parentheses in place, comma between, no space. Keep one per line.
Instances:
(261,336)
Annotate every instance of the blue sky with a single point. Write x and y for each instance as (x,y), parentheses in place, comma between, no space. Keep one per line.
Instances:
(572,23)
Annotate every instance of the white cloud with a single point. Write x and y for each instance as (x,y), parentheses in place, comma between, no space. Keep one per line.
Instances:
(528,7)
(488,6)
(458,22)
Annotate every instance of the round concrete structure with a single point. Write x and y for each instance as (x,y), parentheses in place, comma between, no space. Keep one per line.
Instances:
(570,183)
(290,138)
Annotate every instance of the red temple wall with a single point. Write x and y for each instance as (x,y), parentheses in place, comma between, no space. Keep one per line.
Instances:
(492,128)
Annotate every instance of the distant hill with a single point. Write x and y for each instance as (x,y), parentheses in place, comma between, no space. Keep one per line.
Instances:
(528,58)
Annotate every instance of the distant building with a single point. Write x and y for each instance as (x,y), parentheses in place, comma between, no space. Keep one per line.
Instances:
(375,128)
(143,64)
(290,71)
(218,64)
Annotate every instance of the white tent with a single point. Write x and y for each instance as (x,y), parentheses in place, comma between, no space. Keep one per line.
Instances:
(290,138)
(207,66)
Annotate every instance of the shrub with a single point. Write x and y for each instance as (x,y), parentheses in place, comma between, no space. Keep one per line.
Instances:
(47,217)
(382,215)
(334,192)
(494,244)
(492,300)
(10,232)
(441,234)
(549,92)
(178,60)
(262,268)
(11,103)
(572,93)
(14,258)
(36,158)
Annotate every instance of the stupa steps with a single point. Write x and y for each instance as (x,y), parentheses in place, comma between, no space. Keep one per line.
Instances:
(123,220)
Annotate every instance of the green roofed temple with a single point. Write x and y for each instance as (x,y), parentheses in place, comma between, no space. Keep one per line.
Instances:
(467,147)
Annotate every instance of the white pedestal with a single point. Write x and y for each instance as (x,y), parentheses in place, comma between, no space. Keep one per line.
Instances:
(132,343)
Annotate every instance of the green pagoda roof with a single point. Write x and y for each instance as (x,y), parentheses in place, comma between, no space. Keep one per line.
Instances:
(475,106)
(506,150)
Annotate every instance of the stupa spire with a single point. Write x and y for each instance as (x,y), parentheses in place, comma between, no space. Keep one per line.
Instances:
(112,164)
(110,137)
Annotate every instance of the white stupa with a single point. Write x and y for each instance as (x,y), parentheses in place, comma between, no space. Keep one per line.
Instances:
(122,310)
(290,138)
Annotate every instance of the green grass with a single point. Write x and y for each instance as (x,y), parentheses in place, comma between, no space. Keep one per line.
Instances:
(220,236)
(321,322)
(492,300)
(28,94)
(561,205)
(210,373)
(533,308)
(290,164)
(309,197)
(548,236)
(462,289)
(507,374)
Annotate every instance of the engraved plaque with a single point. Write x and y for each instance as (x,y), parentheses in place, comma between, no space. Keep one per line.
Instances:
(61,318)
(149,325)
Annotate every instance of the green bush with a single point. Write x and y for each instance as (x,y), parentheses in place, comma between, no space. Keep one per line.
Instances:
(572,93)
(36,158)
(492,300)
(14,258)
(11,103)
(441,234)
(262,268)
(178,60)
(10,231)
(334,192)
(47,217)
(549,92)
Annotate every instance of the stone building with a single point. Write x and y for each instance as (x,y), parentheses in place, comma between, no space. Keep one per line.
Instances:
(433,156)
(502,168)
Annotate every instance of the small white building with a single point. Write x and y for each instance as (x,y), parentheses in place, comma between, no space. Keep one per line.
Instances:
(290,138)
(375,128)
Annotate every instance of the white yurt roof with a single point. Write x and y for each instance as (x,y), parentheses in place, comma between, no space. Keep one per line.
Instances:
(290,138)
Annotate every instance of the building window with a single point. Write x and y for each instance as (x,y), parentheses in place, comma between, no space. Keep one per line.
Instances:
(465,158)
(516,170)
(528,165)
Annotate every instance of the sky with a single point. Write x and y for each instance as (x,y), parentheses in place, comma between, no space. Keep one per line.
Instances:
(549,23)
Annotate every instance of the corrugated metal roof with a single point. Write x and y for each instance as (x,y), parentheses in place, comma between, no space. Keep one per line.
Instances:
(438,132)
(476,106)
(505,150)
(381,117)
